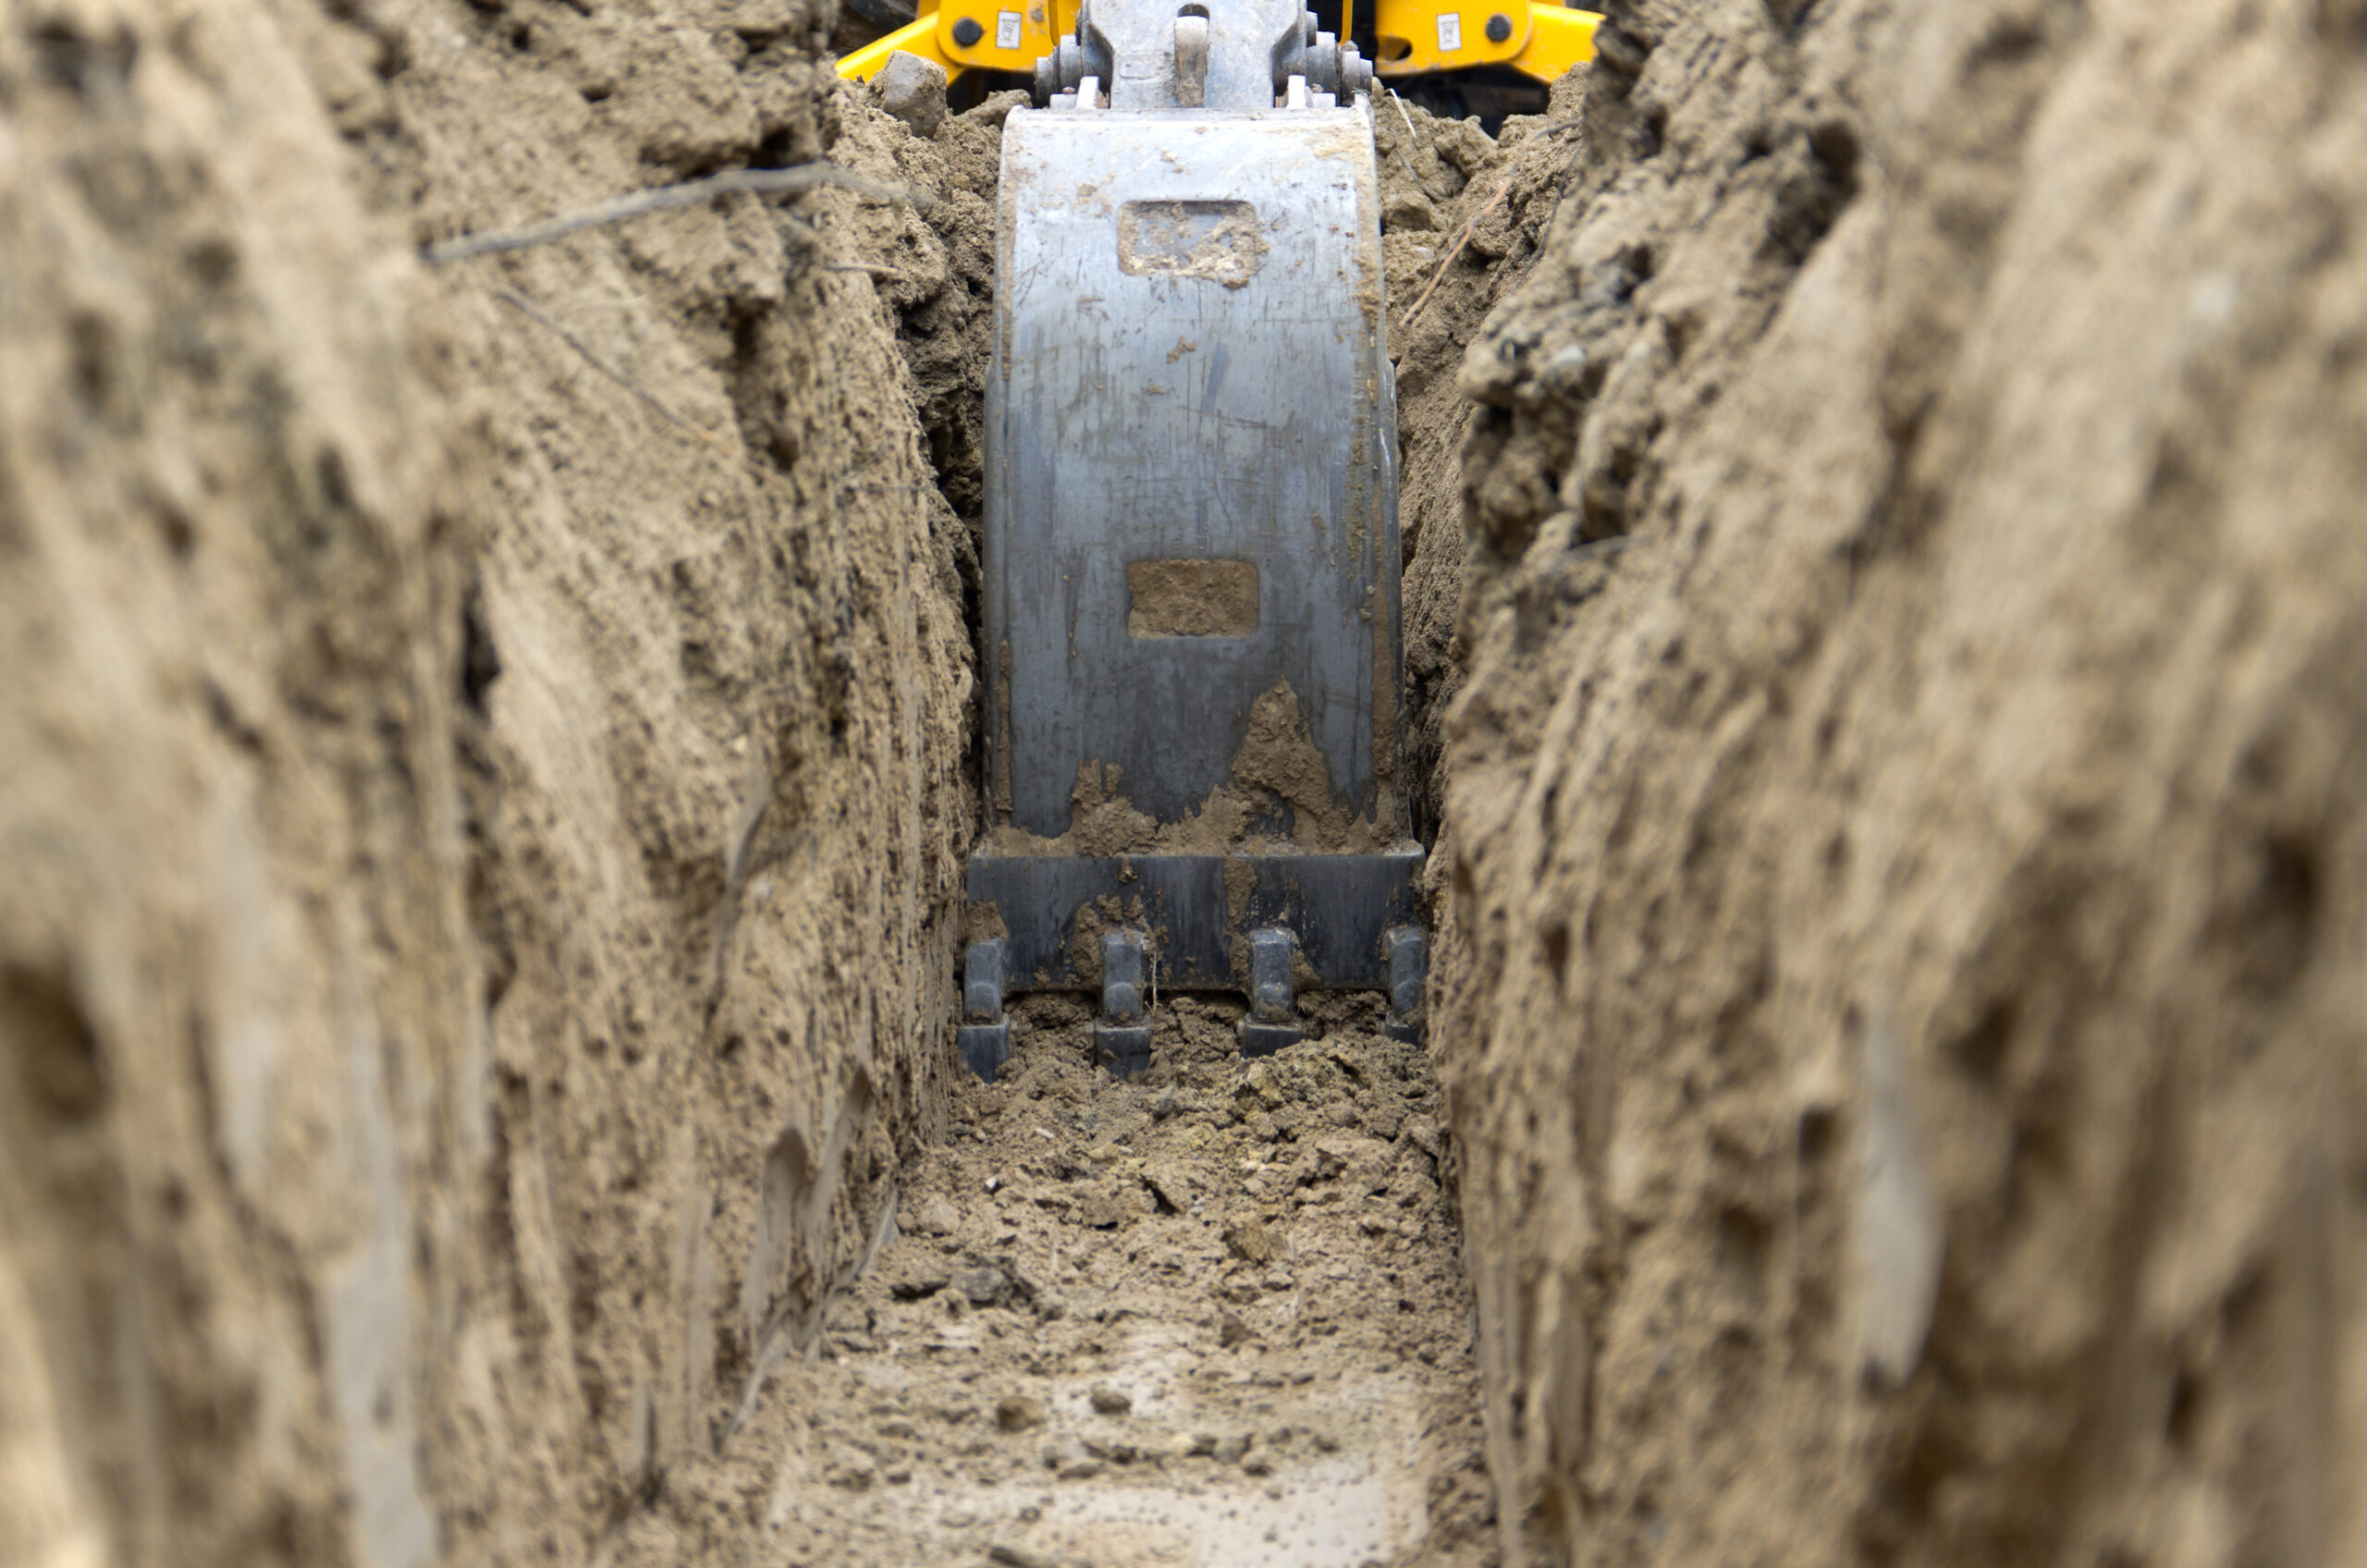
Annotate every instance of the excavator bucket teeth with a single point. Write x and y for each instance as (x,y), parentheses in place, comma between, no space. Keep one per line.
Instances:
(1191,552)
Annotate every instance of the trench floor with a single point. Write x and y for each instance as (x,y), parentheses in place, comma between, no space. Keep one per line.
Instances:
(1216,1317)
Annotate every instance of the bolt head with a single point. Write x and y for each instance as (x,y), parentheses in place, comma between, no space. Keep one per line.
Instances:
(1500,28)
(967,31)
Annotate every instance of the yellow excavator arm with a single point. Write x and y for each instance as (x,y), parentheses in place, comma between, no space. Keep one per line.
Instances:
(970,35)
(1539,39)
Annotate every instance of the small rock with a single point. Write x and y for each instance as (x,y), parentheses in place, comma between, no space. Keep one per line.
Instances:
(1170,1185)
(1018,1413)
(1110,1401)
(1249,1239)
(913,90)
(1072,1464)
(1264,1128)
(1259,1085)
(1232,1330)
(1230,1450)
(1366,1162)
(1408,212)
(1341,1113)
(936,1216)
(1107,1206)
(1168,1103)
(918,1285)
(982,1287)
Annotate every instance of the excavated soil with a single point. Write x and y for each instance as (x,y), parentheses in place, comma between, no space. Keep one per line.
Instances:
(1903,1009)
(1215,1316)
(1462,219)
(485,772)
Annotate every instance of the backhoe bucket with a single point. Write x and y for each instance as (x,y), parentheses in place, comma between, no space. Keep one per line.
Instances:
(1191,550)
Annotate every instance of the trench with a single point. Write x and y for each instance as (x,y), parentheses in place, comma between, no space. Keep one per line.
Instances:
(486,769)
(1218,1315)
(1214,1316)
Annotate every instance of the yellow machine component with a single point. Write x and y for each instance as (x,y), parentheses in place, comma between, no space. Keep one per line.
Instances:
(1541,39)
(1003,35)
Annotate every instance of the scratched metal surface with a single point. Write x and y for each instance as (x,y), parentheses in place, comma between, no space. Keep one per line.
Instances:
(1164,413)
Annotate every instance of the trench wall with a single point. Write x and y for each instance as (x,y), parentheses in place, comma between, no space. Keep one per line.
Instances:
(475,855)
(1903,1006)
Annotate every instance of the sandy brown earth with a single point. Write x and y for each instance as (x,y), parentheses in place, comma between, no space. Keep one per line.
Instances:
(484,777)
(1462,218)
(477,858)
(1217,1316)
(1907,1033)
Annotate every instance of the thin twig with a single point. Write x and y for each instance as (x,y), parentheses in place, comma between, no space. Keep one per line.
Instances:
(1403,114)
(536,314)
(762,181)
(1459,242)
(1595,549)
